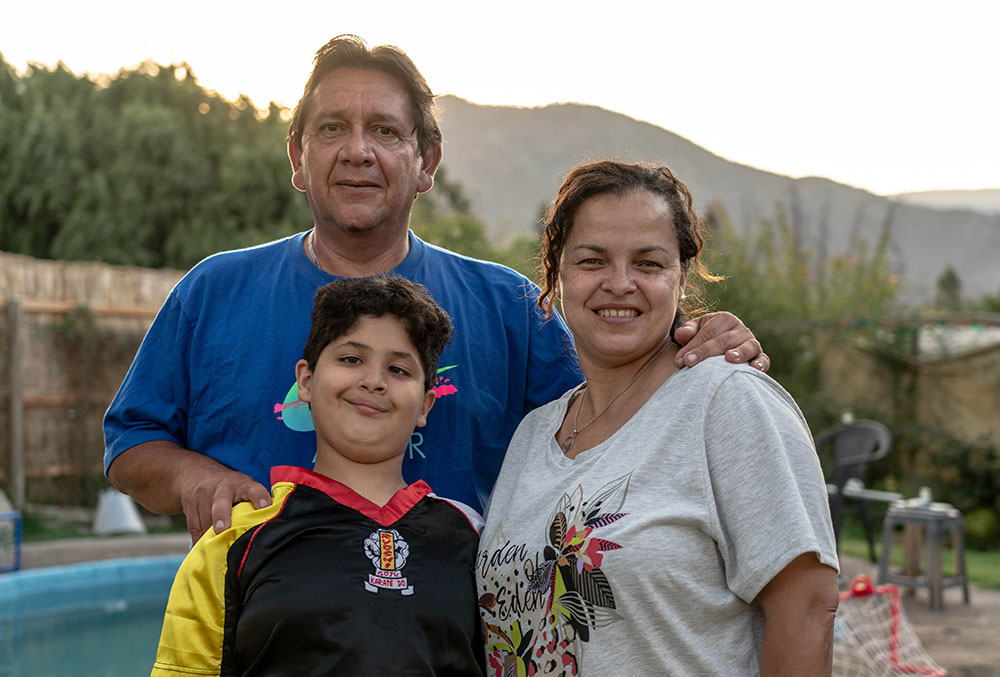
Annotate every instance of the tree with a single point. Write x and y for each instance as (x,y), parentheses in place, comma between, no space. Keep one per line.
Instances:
(948,294)
(784,292)
(144,168)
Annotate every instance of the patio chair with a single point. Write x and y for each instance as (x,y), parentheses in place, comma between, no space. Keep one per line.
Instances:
(855,445)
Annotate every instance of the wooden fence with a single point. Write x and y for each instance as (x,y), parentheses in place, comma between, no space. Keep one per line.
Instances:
(68,332)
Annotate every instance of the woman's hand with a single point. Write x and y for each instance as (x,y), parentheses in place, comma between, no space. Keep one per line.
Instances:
(800,604)
(717,334)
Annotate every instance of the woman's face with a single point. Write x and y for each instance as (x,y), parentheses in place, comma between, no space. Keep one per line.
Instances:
(620,278)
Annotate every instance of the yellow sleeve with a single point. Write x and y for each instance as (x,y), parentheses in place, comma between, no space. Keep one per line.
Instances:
(192,635)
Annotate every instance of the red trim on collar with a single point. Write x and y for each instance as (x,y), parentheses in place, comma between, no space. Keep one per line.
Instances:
(398,505)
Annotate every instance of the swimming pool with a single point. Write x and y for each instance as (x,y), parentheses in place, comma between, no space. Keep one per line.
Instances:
(99,618)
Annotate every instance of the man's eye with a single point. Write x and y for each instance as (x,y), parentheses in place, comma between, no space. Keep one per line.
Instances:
(331,127)
(382,130)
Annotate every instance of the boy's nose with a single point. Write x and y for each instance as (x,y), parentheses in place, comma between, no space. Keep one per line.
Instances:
(373,380)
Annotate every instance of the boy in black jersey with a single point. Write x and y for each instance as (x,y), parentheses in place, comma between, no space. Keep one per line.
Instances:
(350,571)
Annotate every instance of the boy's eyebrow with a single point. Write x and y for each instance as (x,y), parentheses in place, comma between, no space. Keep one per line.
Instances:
(357,345)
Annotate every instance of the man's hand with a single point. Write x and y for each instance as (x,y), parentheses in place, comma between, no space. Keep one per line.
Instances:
(166,478)
(207,499)
(717,334)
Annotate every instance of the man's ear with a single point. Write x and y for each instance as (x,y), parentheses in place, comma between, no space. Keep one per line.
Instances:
(430,160)
(429,399)
(295,158)
(303,376)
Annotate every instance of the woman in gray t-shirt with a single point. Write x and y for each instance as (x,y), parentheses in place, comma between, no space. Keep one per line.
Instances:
(652,520)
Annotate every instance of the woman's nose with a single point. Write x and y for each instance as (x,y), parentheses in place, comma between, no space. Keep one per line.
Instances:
(619,280)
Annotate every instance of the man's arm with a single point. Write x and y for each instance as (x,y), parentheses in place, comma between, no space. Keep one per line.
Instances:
(717,334)
(167,479)
(800,604)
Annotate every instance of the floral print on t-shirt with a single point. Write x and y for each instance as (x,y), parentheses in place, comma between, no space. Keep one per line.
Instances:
(539,609)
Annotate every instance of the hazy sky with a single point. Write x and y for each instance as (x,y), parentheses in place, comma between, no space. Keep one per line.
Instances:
(891,96)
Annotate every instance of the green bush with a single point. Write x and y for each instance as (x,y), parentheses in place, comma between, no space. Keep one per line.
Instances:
(982,528)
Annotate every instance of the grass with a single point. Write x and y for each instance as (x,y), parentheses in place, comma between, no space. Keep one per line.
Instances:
(982,567)
(38,528)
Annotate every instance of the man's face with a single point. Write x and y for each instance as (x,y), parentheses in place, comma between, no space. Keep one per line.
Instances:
(360,165)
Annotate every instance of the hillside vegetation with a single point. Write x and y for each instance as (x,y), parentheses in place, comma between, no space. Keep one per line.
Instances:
(148,168)
(510,161)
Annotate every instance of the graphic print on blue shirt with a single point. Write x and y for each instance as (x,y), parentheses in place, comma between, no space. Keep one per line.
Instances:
(297,416)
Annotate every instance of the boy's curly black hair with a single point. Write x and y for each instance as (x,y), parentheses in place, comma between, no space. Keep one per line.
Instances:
(339,305)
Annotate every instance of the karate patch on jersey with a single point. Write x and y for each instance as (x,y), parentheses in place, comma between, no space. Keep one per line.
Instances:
(388,552)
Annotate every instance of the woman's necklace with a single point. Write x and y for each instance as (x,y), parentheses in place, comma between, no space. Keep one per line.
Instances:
(312,250)
(571,440)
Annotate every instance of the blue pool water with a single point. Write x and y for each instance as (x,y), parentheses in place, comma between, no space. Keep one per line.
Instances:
(101,618)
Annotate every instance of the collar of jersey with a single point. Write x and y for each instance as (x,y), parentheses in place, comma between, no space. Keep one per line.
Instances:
(398,505)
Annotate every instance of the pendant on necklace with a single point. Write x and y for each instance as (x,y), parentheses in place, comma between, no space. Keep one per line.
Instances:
(568,443)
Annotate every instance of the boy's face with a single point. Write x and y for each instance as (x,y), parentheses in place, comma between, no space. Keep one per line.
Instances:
(366,393)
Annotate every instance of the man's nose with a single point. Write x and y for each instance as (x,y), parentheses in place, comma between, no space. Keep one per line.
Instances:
(357,148)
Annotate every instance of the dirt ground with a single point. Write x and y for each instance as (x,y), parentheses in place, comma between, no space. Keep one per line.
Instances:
(963,639)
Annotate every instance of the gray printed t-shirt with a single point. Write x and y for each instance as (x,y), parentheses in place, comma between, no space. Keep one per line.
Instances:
(644,554)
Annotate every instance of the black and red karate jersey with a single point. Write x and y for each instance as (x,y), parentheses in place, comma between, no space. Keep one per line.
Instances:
(324,582)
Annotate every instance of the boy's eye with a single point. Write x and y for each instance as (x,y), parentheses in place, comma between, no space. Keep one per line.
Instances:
(350,359)
(399,370)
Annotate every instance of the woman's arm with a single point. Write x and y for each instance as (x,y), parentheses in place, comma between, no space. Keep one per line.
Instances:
(799,604)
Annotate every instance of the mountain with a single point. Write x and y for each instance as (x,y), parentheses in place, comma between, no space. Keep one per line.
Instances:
(987,201)
(510,161)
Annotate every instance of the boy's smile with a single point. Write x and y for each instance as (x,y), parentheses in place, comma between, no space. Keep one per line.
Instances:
(367,395)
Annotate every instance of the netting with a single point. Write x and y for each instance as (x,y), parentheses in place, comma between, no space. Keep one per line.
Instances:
(872,637)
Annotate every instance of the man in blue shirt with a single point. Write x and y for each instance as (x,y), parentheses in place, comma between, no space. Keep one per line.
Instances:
(209,404)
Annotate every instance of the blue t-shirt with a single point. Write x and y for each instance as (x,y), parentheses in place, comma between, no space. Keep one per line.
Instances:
(216,371)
